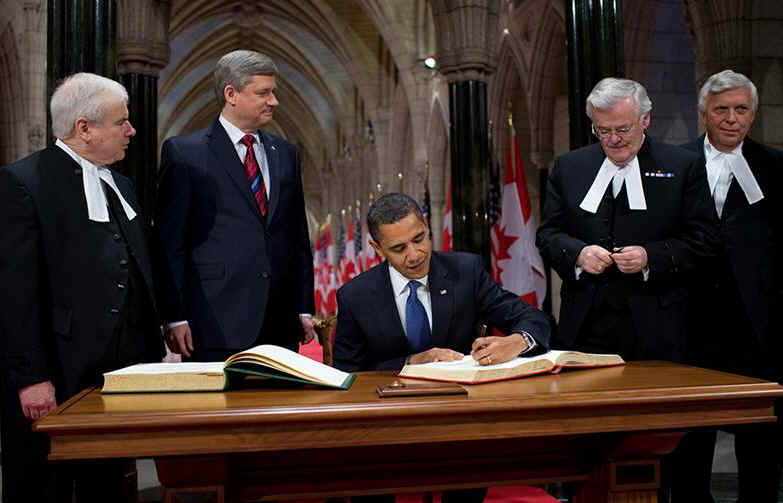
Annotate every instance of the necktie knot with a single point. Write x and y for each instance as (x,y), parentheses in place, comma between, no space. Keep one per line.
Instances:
(248,140)
(414,285)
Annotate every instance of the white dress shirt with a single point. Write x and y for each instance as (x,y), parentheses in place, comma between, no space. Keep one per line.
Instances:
(235,135)
(402,292)
(722,168)
(97,204)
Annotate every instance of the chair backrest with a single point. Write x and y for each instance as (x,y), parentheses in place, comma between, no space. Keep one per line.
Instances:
(324,328)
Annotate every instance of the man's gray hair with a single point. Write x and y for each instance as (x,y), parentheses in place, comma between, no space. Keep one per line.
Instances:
(82,95)
(390,208)
(610,91)
(723,81)
(237,67)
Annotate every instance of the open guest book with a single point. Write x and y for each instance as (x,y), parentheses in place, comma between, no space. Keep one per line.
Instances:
(265,361)
(468,371)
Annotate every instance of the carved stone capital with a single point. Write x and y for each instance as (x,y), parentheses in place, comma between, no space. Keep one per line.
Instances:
(467,38)
(142,36)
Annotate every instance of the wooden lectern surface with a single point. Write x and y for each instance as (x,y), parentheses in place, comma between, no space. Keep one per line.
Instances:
(641,396)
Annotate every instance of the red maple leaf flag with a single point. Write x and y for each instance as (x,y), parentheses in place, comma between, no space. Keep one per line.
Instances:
(319,298)
(446,241)
(328,281)
(371,258)
(519,265)
(351,267)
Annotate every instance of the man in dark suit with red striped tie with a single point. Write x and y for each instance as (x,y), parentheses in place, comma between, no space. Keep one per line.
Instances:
(234,254)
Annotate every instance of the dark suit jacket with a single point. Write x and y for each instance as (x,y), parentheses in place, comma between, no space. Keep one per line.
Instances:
(369,332)
(750,255)
(224,268)
(64,277)
(677,230)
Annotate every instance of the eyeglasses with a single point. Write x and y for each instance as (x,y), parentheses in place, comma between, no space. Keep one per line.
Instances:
(605,133)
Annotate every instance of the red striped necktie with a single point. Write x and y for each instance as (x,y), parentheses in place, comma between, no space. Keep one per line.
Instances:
(253,172)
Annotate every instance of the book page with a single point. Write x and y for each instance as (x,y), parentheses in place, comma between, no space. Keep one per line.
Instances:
(468,363)
(286,360)
(468,370)
(579,359)
(171,368)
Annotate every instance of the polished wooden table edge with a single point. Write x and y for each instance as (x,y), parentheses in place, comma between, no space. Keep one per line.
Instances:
(403,408)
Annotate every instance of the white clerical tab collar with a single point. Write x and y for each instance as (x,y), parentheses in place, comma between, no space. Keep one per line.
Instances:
(739,168)
(97,205)
(632,180)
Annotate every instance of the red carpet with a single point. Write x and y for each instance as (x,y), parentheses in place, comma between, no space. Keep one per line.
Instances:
(508,494)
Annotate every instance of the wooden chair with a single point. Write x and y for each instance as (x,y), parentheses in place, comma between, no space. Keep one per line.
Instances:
(324,328)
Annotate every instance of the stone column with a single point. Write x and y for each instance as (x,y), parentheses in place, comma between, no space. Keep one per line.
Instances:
(35,73)
(81,39)
(595,50)
(142,51)
(467,32)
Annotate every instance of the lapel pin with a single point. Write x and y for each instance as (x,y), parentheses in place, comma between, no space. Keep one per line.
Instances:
(443,292)
(274,148)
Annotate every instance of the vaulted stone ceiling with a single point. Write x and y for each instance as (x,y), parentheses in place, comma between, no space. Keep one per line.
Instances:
(327,52)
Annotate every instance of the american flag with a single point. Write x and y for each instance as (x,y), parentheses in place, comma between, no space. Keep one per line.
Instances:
(357,237)
(493,197)
(426,208)
(340,249)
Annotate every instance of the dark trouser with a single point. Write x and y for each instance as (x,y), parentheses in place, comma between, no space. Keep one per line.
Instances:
(29,477)
(757,448)
(608,329)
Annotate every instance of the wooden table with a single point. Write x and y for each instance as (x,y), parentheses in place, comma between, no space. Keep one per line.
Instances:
(603,430)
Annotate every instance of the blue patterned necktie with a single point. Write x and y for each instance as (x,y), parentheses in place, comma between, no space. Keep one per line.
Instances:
(417,326)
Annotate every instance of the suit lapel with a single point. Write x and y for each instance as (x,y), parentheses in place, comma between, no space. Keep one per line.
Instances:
(272,150)
(594,158)
(442,301)
(66,175)
(226,155)
(386,306)
(134,233)
(750,151)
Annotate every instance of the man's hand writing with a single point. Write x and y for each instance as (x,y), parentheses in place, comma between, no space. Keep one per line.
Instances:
(491,350)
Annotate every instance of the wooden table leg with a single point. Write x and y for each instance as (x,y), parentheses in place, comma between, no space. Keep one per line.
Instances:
(176,476)
(631,472)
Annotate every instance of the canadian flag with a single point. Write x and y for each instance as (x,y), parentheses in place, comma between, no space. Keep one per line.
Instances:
(319,296)
(371,258)
(326,273)
(519,265)
(448,229)
(351,266)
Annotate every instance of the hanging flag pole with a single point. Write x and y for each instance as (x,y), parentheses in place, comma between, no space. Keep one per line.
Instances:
(519,267)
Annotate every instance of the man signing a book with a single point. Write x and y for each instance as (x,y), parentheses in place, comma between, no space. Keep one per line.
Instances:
(420,306)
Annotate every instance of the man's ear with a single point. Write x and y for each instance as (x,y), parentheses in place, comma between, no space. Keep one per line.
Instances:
(377,248)
(646,120)
(81,128)
(230,94)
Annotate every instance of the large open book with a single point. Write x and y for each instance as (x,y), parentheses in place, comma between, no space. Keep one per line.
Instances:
(467,371)
(266,361)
